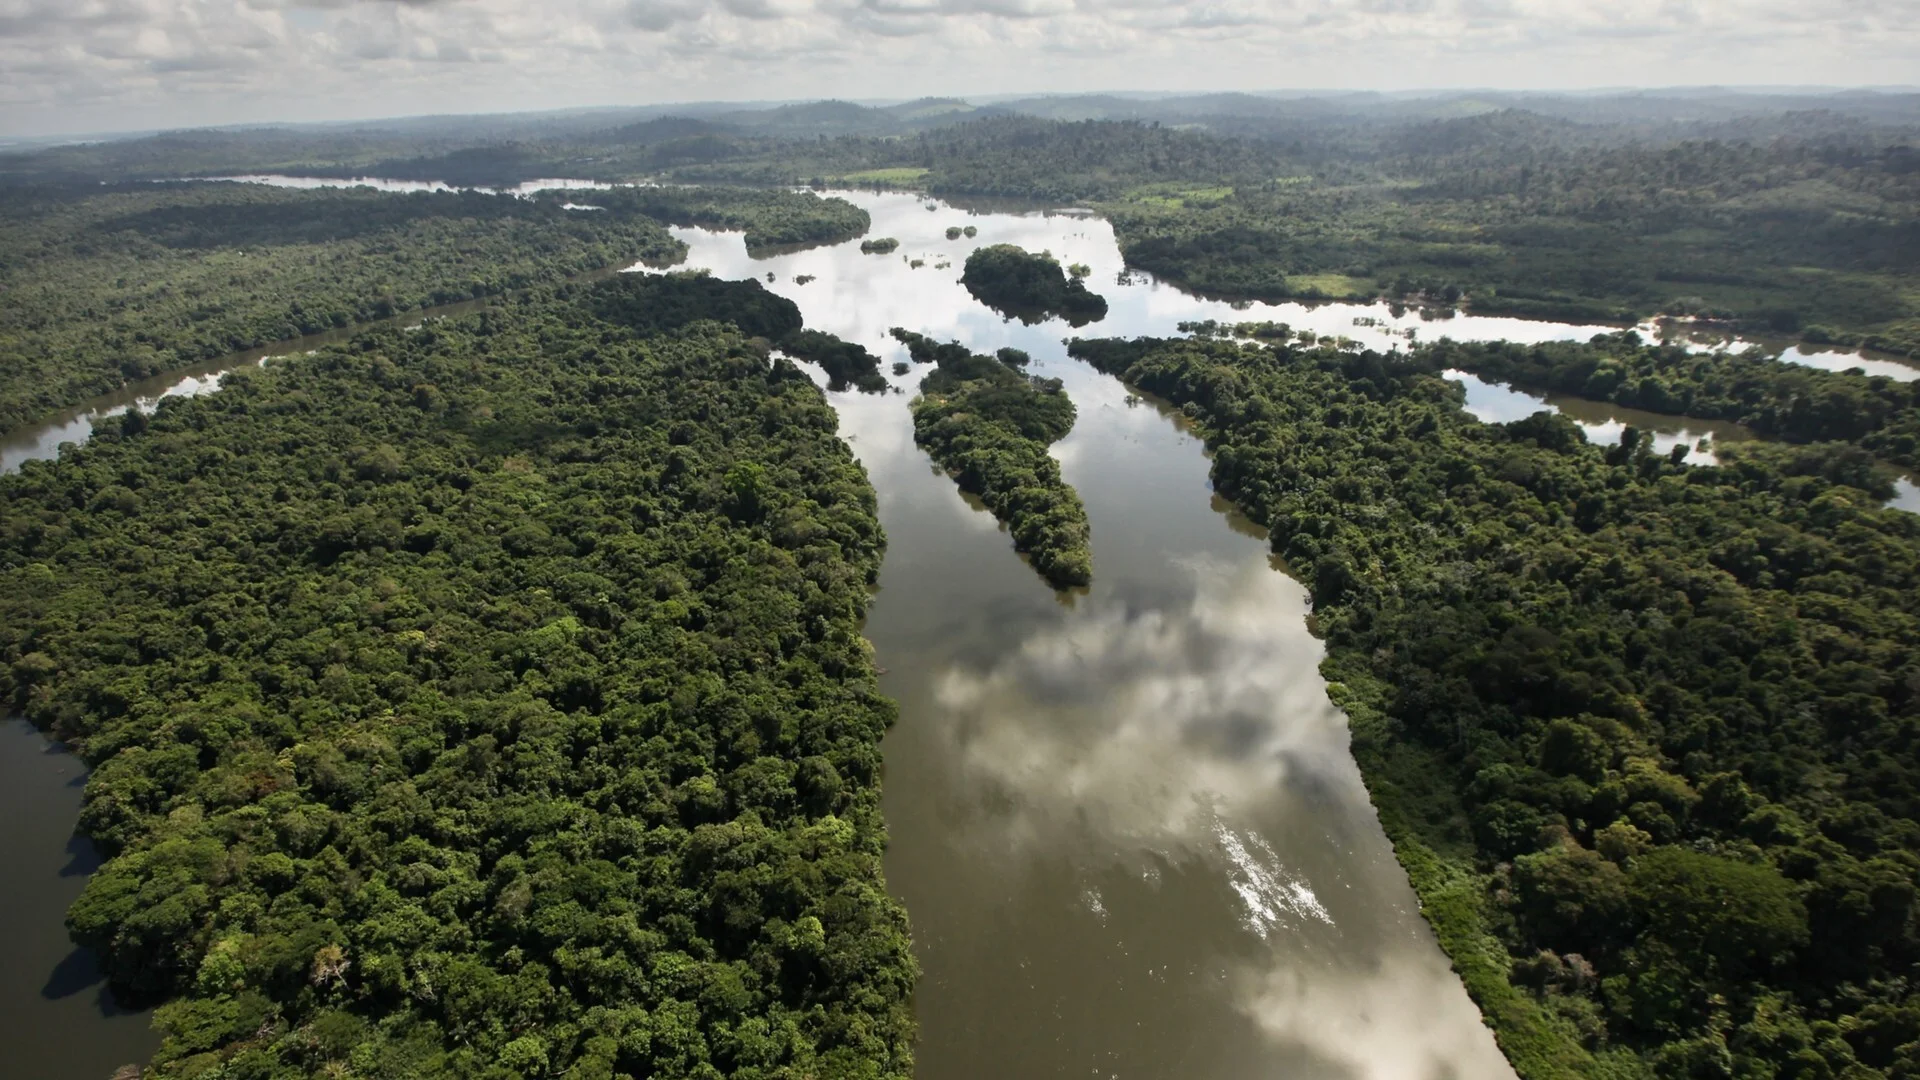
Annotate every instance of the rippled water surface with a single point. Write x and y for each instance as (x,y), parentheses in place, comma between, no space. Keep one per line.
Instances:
(1125,821)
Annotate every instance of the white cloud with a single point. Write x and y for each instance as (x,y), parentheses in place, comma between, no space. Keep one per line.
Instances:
(91,64)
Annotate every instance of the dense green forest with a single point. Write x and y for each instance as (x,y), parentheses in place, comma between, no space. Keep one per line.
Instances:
(484,701)
(1789,237)
(988,425)
(1029,287)
(1783,401)
(611,143)
(1642,733)
(106,286)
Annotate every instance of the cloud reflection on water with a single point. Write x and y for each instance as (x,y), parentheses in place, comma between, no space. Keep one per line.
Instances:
(1141,726)
(1405,1019)
(1196,734)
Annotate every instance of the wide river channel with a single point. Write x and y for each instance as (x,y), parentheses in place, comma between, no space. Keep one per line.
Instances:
(1125,822)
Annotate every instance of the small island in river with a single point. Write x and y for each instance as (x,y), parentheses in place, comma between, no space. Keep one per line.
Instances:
(989,426)
(1029,287)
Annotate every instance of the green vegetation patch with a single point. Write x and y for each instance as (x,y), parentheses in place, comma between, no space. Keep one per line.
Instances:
(1640,732)
(989,425)
(1032,288)
(1330,287)
(660,303)
(893,177)
(1179,196)
(485,700)
(845,362)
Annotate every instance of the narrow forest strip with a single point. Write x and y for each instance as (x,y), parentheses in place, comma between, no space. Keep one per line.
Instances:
(483,700)
(989,425)
(1642,733)
(770,219)
(1781,400)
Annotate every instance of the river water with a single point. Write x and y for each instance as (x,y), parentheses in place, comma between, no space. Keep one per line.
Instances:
(57,1020)
(1125,822)
(404,187)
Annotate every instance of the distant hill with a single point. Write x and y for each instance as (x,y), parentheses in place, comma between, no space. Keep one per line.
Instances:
(1323,127)
(664,129)
(1505,129)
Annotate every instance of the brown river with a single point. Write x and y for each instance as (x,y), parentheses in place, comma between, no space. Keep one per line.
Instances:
(1125,822)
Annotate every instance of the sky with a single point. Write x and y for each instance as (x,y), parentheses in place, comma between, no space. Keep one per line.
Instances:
(71,66)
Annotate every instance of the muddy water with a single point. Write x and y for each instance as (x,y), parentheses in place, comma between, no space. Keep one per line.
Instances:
(1126,825)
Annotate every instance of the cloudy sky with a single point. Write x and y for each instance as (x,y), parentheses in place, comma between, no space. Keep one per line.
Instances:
(93,65)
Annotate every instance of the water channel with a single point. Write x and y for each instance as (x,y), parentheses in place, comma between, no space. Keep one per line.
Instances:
(57,1020)
(1125,821)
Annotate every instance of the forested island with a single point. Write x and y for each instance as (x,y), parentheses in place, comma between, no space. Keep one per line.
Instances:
(656,304)
(988,425)
(481,700)
(1640,732)
(1032,288)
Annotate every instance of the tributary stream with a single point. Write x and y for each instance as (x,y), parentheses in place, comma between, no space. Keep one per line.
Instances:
(1125,822)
